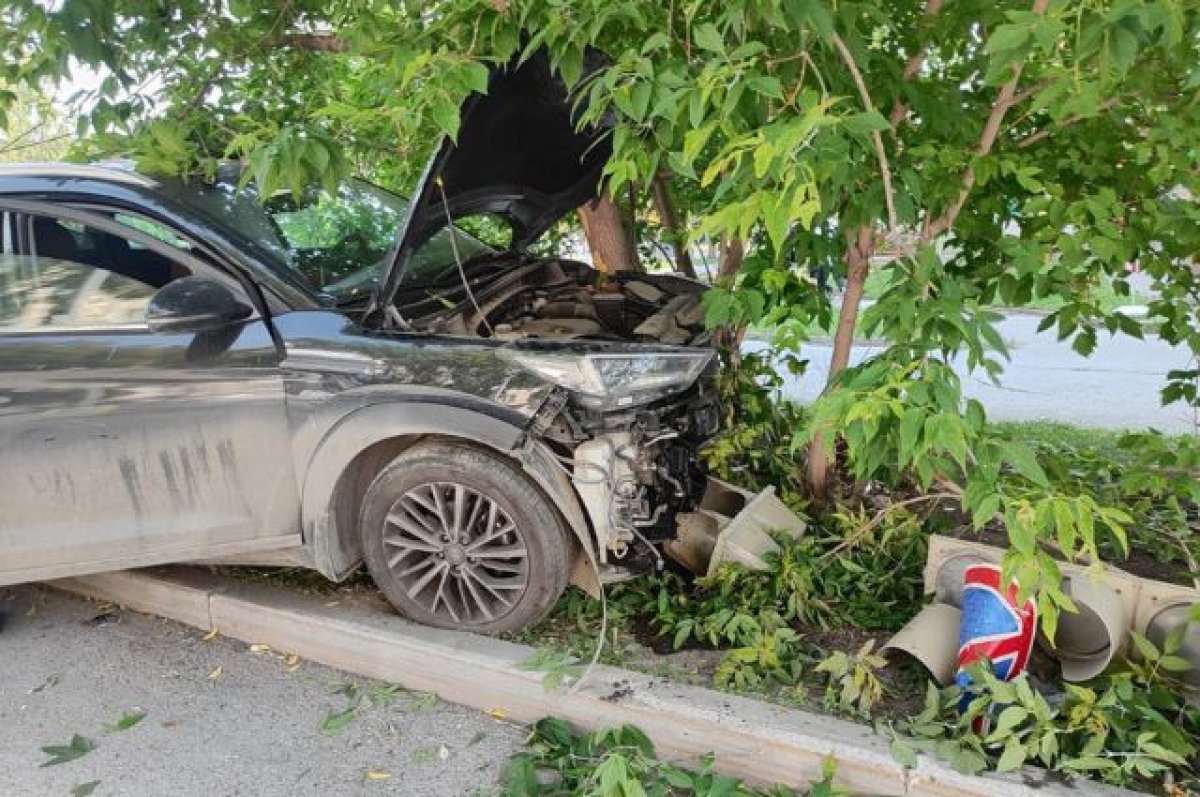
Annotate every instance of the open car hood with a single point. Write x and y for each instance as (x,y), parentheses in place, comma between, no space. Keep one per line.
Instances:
(518,156)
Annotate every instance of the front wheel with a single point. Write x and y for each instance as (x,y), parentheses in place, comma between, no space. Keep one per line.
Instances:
(458,537)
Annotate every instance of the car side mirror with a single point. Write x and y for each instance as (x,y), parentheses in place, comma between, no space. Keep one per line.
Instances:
(193,305)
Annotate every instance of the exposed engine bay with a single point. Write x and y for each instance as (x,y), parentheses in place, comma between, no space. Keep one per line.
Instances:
(557,299)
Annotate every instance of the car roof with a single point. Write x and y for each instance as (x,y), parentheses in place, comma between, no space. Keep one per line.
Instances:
(112,171)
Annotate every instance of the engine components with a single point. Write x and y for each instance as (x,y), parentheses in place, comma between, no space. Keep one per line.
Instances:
(566,300)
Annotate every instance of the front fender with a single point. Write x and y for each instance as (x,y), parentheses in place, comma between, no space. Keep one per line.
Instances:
(336,550)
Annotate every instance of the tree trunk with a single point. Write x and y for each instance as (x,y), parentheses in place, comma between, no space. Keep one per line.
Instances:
(730,259)
(607,237)
(858,266)
(729,262)
(668,214)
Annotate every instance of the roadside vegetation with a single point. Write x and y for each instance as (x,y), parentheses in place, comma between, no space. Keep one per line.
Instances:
(621,762)
(806,632)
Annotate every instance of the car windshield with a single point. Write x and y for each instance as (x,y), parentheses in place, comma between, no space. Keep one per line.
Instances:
(337,242)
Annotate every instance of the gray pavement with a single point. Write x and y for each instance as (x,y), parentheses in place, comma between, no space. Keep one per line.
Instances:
(70,666)
(1116,387)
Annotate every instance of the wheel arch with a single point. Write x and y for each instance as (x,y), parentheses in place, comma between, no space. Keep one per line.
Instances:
(363,442)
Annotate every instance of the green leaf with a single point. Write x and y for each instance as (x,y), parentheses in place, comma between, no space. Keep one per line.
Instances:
(445,115)
(1009,718)
(61,754)
(707,37)
(85,789)
(766,85)
(1145,647)
(968,761)
(985,510)
(1005,39)
(903,753)
(1175,664)
(129,720)
(1013,756)
(334,722)
(1024,461)
(475,76)
(1089,764)
(864,123)
(718,307)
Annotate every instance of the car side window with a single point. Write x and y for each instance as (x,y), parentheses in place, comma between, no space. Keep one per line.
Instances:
(63,275)
(152,228)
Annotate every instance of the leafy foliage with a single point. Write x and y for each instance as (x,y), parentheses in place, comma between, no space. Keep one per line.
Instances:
(853,681)
(621,763)
(1029,151)
(756,448)
(1130,728)
(32,128)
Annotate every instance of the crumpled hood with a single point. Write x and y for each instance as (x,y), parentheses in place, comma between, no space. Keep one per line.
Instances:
(518,156)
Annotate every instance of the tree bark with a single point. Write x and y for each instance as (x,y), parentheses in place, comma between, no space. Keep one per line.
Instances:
(731,253)
(729,262)
(607,237)
(317,42)
(858,266)
(668,214)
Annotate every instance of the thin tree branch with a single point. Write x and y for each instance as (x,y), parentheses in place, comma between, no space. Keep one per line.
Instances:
(915,62)
(316,42)
(7,149)
(1034,138)
(991,129)
(885,168)
(860,533)
(672,223)
(1021,96)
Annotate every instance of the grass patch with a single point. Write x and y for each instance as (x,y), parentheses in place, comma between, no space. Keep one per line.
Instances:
(1056,436)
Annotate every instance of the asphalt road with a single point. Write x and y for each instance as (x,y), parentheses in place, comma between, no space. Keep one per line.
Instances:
(69,666)
(1116,387)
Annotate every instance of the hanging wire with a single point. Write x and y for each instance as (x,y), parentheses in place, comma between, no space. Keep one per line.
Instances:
(458,258)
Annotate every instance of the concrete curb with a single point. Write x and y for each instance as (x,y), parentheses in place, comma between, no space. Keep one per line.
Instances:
(757,741)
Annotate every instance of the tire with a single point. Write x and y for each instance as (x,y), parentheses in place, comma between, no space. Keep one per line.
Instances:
(509,563)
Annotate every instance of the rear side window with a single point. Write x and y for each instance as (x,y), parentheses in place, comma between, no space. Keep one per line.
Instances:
(68,276)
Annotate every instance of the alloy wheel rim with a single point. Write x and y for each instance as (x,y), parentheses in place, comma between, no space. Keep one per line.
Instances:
(456,553)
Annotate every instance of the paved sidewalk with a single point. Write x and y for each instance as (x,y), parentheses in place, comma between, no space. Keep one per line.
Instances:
(69,666)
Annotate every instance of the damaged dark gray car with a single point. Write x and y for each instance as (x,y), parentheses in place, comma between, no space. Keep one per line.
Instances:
(192,373)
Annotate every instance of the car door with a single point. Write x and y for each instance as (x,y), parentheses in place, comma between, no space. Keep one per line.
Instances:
(121,447)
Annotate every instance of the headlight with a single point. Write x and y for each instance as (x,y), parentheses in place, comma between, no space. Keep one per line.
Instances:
(609,381)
